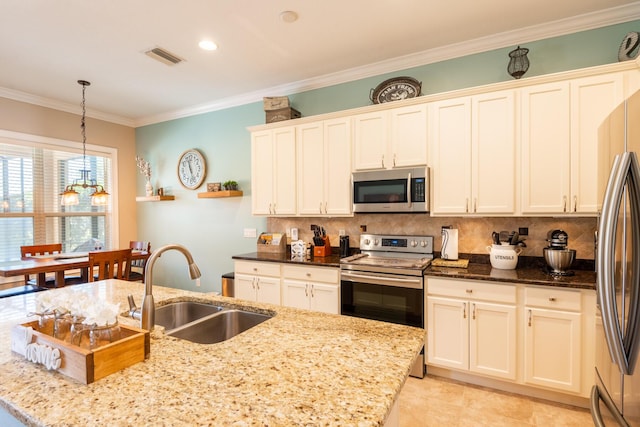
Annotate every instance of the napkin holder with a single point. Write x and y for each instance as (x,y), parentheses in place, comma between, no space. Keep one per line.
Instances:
(272,243)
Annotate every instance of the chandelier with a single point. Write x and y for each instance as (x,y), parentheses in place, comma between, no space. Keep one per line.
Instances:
(70,195)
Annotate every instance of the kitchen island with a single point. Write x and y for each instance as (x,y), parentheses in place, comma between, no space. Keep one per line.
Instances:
(297,368)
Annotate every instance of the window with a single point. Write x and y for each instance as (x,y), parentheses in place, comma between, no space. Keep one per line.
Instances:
(33,172)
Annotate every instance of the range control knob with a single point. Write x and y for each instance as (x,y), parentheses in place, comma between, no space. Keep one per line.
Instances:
(376,242)
(367,242)
(413,243)
(423,243)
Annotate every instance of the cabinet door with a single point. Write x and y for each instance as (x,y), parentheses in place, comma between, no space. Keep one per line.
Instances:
(450,142)
(545,148)
(261,173)
(493,156)
(592,99)
(295,294)
(552,349)
(371,139)
(492,339)
(408,136)
(284,156)
(447,332)
(325,298)
(337,167)
(268,290)
(245,287)
(311,169)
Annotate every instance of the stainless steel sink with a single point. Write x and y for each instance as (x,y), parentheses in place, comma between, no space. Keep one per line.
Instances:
(219,327)
(177,314)
(205,323)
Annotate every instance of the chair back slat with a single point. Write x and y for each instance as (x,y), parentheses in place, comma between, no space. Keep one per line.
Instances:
(32,250)
(114,264)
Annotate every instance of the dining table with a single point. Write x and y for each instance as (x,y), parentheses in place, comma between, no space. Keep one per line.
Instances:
(55,263)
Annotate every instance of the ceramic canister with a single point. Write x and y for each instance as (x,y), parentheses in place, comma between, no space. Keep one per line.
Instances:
(504,257)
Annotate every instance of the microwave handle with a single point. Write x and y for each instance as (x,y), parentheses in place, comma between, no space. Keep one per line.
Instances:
(409,192)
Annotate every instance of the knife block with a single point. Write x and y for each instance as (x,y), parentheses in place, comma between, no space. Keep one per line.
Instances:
(324,250)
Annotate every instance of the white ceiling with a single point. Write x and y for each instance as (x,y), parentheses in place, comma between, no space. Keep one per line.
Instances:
(47,46)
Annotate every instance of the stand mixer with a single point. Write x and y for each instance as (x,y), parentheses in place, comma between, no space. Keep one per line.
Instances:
(557,256)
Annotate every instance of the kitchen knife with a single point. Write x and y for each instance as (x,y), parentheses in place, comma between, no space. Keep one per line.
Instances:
(496,237)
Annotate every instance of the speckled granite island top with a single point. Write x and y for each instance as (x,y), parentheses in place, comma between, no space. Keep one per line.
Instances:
(297,368)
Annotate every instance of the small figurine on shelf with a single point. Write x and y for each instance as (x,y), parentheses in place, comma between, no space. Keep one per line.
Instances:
(145,169)
(230,185)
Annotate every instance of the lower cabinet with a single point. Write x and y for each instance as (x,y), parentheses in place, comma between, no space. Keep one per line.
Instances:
(535,336)
(553,338)
(309,288)
(472,327)
(257,281)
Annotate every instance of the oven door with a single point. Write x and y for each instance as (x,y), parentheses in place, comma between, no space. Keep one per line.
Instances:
(393,298)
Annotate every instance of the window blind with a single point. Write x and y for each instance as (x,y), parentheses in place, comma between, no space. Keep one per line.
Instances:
(32,176)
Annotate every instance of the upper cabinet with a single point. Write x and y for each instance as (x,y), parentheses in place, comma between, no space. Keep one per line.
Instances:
(393,138)
(559,125)
(473,154)
(273,167)
(324,168)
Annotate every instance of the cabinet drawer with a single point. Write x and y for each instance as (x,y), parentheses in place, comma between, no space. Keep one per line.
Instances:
(545,297)
(315,274)
(258,268)
(477,290)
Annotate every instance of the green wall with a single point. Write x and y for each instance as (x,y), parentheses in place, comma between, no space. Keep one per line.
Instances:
(213,228)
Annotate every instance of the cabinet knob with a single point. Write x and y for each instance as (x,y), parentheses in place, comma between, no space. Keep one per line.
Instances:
(308,274)
(469,291)
(552,299)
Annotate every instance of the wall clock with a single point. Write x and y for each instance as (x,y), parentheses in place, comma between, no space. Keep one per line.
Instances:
(395,89)
(192,169)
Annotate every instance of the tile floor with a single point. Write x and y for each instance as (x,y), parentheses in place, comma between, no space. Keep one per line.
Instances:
(434,401)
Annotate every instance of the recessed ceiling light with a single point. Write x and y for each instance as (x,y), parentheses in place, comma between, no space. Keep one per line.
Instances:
(207,45)
(288,16)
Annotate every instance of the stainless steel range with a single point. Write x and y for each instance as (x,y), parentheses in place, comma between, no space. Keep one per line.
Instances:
(385,281)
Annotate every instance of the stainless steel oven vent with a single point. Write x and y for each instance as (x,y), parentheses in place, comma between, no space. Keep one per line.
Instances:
(164,56)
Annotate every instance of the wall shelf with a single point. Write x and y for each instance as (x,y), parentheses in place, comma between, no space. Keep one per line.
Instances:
(215,194)
(154,198)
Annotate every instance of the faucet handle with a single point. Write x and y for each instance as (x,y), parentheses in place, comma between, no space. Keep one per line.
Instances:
(134,311)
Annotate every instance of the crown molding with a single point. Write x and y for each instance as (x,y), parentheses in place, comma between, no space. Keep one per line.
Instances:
(612,16)
(558,28)
(66,107)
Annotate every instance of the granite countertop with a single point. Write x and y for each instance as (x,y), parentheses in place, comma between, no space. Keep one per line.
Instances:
(530,270)
(297,368)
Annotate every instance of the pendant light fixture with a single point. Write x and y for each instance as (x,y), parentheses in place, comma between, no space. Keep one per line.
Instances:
(70,195)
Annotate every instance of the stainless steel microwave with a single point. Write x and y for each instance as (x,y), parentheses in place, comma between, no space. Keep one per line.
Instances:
(391,191)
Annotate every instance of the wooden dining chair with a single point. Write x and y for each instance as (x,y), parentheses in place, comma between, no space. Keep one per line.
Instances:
(138,265)
(47,249)
(114,264)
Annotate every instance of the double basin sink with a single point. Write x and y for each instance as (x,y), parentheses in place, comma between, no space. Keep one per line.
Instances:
(205,323)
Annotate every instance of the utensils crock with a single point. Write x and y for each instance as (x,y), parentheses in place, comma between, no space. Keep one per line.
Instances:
(504,257)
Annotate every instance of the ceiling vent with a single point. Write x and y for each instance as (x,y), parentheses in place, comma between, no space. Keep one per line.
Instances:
(164,56)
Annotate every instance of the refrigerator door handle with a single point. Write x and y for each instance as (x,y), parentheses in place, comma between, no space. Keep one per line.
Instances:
(622,170)
(632,336)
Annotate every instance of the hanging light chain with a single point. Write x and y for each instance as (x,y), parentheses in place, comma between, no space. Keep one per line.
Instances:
(83,127)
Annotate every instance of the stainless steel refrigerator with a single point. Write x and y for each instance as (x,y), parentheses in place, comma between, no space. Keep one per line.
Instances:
(615,397)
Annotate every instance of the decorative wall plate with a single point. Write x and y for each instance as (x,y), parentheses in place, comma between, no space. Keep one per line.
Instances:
(395,89)
(629,44)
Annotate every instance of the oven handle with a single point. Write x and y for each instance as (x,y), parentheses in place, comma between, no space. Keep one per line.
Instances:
(412,283)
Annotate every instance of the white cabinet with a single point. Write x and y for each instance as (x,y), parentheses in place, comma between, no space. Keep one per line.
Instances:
(560,123)
(273,171)
(324,168)
(473,154)
(553,344)
(471,326)
(393,138)
(257,281)
(311,288)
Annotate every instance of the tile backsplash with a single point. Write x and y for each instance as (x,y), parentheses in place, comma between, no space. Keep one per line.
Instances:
(474,233)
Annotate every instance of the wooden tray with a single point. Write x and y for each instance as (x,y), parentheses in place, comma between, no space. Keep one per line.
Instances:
(88,366)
